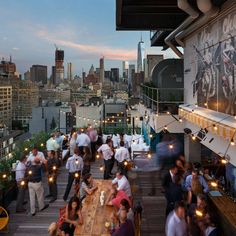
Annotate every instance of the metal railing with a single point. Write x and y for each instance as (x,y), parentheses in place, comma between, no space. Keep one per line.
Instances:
(162,99)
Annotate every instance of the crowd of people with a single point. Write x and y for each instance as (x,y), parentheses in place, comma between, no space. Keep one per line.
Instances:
(81,147)
(187,211)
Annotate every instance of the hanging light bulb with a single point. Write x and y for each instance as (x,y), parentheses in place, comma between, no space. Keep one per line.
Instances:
(205,104)
(22,183)
(224,161)
(50,179)
(168,113)
(41,144)
(232,142)
(82,130)
(150,136)
(165,127)
(4,176)
(26,149)
(117,114)
(157,114)
(196,105)
(146,116)
(171,146)
(119,120)
(215,127)
(101,168)
(180,120)
(149,155)
(125,163)
(97,156)
(193,137)
(84,118)
(136,118)
(54,167)
(127,119)
(30,172)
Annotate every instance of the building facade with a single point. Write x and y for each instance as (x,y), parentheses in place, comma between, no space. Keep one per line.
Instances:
(140,56)
(38,73)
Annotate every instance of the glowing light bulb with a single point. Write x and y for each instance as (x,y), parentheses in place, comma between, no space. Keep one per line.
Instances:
(30,172)
(127,120)
(196,105)
(4,176)
(41,144)
(205,104)
(119,120)
(50,179)
(165,127)
(125,163)
(214,184)
(150,136)
(136,118)
(180,120)
(97,156)
(101,168)
(232,142)
(77,162)
(22,183)
(149,155)
(171,146)
(54,167)
(168,113)
(76,175)
(157,114)
(224,161)
(215,127)
(193,137)
(26,149)
(199,213)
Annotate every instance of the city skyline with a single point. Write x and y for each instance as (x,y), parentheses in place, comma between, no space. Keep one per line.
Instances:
(31,29)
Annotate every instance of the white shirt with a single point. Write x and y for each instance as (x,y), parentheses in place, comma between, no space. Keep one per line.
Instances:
(52,145)
(83,140)
(72,146)
(175,226)
(72,164)
(39,155)
(122,154)
(20,171)
(123,184)
(106,151)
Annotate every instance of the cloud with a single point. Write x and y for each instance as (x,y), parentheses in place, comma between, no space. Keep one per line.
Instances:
(110,53)
(15,49)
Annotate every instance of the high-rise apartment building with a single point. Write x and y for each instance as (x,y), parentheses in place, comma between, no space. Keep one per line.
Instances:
(27,75)
(115,74)
(6,107)
(102,72)
(140,57)
(7,68)
(131,74)
(69,71)
(125,68)
(38,73)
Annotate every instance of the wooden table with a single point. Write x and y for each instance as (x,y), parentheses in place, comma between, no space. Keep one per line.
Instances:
(225,209)
(95,215)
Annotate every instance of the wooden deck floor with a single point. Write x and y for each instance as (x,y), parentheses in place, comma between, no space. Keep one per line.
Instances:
(144,184)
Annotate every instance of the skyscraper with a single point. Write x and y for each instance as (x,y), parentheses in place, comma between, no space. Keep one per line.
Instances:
(58,70)
(125,67)
(38,73)
(101,70)
(69,71)
(140,58)
(131,74)
(115,74)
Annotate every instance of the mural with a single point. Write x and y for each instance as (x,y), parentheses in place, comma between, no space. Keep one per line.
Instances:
(215,53)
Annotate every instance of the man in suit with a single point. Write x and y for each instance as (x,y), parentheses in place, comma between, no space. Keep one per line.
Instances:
(169,177)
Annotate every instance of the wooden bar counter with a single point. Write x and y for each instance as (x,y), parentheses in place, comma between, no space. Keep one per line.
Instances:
(94,215)
(224,210)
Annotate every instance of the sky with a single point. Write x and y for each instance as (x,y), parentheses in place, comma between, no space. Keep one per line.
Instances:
(84,29)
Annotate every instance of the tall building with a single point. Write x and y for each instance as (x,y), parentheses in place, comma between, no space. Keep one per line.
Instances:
(125,68)
(6,107)
(38,73)
(102,72)
(27,75)
(115,74)
(140,58)
(69,71)
(58,69)
(131,74)
(7,68)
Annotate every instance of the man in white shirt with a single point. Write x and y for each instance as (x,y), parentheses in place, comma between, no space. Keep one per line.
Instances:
(35,154)
(121,155)
(52,145)
(20,175)
(123,183)
(82,141)
(175,223)
(107,153)
(75,166)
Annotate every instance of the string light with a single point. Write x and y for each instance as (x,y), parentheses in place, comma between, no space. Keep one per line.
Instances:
(22,183)
(119,120)
(224,161)
(30,172)
(97,156)
(205,104)
(146,117)
(232,142)
(215,127)
(26,149)
(165,127)
(149,155)
(125,163)
(196,105)
(54,167)
(136,118)
(4,176)
(180,120)
(127,119)
(150,136)
(41,144)
(171,146)
(50,179)
(168,113)
(157,115)
(101,168)
(193,137)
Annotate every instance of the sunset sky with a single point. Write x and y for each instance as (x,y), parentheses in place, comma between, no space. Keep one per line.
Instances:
(84,29)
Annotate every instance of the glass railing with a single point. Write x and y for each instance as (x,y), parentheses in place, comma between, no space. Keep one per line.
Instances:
(162,100)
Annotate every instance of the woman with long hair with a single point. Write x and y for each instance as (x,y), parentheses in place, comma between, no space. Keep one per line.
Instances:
(72,218)
(87,186)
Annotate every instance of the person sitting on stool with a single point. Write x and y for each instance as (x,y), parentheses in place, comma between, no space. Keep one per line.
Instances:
(75,166)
